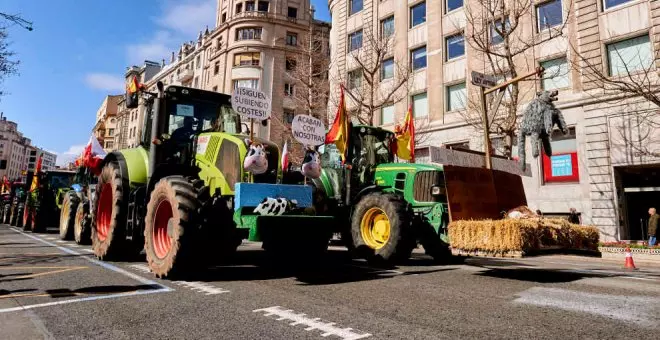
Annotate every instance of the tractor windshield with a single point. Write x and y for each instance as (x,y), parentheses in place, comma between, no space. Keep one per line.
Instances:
(371,146)
(60,180)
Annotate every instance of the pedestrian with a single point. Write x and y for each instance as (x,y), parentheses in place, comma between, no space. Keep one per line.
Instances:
(574,217)
(653,226)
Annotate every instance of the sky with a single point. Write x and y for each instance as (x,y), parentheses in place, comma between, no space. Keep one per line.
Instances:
(78,52)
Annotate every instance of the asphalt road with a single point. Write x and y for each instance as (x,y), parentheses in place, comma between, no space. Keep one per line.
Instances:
(56,289)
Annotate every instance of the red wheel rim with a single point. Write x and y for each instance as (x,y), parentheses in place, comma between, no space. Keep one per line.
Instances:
(104,212)
(161,239)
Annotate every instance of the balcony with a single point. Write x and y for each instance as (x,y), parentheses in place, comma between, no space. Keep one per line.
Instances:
(185,75)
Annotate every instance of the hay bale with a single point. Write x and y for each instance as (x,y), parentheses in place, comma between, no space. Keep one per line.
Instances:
(498,237)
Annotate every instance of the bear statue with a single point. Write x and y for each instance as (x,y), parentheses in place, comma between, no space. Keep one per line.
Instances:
(539,118)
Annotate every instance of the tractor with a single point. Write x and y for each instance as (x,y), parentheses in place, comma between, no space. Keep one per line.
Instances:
(184,196)
(385,209)
(14,204)
(43,204)
(75,218)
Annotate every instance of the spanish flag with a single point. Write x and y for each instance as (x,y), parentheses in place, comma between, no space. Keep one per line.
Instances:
(5,184)
(338,133)
(132,93)
(35,179)
(405,138)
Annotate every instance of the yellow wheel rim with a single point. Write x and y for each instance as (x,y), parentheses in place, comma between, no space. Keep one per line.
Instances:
(375,228)
(64,216)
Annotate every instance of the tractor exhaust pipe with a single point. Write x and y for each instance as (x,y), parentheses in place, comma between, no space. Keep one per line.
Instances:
(155,130)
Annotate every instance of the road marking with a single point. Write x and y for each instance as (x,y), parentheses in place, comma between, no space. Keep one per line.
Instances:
(328,328)
(59,269)
(161,289)
(194,285)
(640,310)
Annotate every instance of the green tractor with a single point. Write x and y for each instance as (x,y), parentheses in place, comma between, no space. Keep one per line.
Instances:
(387,208)
(184,195)
(75,218)
(14,205)
(43,204)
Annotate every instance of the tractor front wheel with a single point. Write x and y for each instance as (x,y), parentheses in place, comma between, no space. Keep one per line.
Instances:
(381,228)
(81,227)
(109,231)
(170,226)
(26,220)
(68,215)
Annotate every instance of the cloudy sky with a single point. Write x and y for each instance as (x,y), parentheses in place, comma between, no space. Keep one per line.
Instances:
(77,54)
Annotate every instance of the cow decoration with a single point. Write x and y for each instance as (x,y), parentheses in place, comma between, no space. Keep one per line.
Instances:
(539,118)
(521,212)
(256,161)
(275,206)
(311,166)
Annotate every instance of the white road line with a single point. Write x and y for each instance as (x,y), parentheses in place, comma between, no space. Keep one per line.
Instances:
(87,250)
(640,310)
(135,277)
(328,328)
(197,286)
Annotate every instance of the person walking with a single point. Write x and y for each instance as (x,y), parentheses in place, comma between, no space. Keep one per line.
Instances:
(653,226)
(574,217)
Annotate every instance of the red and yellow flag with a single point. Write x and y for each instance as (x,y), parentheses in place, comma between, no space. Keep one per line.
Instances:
(405,137)
(37,170)
(5,184)
(338,133)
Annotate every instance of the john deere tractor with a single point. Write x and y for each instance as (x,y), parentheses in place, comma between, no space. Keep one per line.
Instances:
(385,208)
(183,195)
(43,204)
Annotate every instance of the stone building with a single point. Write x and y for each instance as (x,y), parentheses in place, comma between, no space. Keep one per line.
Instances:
(599,168)
(14,150)
(106,122)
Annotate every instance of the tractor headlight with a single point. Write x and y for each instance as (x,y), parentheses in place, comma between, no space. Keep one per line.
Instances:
(436,190)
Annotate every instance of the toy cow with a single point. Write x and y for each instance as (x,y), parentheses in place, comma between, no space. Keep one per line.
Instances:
(275,206)
(256,161)
(311,166)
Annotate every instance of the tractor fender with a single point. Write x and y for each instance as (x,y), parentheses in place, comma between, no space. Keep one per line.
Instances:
(133,164)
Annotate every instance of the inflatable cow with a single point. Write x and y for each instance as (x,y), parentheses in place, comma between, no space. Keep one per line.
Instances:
(275,206)
(255,160)
(311,167)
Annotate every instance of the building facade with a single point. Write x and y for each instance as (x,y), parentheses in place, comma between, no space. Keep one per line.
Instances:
(106,122)
(598,167)
(14,150)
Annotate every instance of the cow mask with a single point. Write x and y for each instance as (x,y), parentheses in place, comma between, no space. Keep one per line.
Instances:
(311,167)
(256,161)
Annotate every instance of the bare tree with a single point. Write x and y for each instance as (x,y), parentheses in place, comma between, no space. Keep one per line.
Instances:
(8,63)
(378,78)
(632,80)
(504,34)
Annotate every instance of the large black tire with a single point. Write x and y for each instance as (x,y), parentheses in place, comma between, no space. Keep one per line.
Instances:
(172,227)
(6,213)
(109,225)
(38,219)
(22,220)
(82,229)
(432,243)
(68,215)
(394,244)
(13,217)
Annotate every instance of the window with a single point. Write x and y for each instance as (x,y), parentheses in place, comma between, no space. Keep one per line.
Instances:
(216,68)
(291,63)
(355,79)
(355,41)
(247,59)
(355,6)
(199,61)
(387,115)
(562,166)
(458,146)
(249,6)
(456,97)
(239,8)
(420,105)
(555,75)
(288,115)
(628,56)
(249,83)
(451,5)
(418,57)
(109,145)
(224,17)
(455,46)
(251,33)
(288,90)
(215,89)
(263,6)
(387,69)
(292,12)
(291,39)
(549,14)
(111,132)
(495,37)
(387,27)
(611,3)
(418,14)
(112,121)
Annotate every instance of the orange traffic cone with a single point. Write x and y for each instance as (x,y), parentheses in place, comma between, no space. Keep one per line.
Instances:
(630,264)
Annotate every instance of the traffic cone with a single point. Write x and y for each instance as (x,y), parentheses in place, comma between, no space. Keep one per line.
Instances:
(630,264)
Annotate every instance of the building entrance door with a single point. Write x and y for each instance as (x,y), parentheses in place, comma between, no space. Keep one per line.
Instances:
(639,190)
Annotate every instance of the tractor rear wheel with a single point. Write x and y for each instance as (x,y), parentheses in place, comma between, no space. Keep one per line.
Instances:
(13,217)
(381,228)
(25,218)
(109,225)
(68,215)
(6,214)
(171,226)
(37,220)
(81,227)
